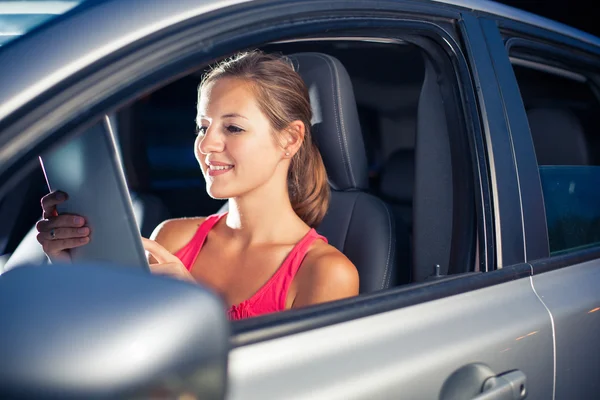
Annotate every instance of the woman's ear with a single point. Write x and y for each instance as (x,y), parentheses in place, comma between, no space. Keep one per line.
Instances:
(294,137)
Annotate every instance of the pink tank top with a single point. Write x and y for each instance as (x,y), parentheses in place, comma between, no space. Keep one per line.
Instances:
(272,295)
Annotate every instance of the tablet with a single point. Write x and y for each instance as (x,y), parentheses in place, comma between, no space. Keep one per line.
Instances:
(88,168)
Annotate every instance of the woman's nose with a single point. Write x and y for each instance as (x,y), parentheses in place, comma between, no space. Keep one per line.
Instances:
(212,142)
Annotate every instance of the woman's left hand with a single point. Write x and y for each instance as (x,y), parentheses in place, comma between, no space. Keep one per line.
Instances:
(167,264)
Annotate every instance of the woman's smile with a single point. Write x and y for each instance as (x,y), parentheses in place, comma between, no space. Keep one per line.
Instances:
(215,168)
(218,170)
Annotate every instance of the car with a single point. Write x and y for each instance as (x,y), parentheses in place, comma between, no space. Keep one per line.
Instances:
(461,144)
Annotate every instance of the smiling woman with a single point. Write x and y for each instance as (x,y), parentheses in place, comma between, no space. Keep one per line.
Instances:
(255,149)
(281,98)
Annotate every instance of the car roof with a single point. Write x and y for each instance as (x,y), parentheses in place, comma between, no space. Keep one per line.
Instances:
(117,23)
(504,11)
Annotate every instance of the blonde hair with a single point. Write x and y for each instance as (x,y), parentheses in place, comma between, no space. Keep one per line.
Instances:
(283,97)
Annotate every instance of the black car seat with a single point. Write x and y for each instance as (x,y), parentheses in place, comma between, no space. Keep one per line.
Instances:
(397,182)
(358,224)
(558,137)
(433,186)
(396,188)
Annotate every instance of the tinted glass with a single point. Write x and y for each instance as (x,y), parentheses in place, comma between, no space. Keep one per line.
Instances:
(564,121)
(572,201)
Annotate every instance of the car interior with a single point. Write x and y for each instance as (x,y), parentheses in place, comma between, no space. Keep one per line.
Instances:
(389,124)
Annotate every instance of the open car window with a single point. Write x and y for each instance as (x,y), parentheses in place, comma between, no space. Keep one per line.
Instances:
(396,103)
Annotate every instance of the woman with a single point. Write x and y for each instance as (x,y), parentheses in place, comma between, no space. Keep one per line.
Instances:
(254,147)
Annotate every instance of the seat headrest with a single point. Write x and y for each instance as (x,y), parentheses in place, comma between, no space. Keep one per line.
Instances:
(398,176)
(558,137)
(335,125)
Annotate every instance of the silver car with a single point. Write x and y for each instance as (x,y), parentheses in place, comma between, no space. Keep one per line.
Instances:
(461,143)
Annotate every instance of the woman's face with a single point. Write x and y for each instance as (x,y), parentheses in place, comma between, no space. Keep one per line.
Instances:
(235,146)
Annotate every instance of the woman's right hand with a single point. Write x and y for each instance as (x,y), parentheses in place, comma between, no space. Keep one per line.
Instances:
(59,233)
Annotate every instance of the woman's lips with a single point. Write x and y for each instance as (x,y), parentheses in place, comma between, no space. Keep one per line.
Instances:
(216,169)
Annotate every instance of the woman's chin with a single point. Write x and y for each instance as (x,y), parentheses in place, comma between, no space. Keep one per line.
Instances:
(219,193)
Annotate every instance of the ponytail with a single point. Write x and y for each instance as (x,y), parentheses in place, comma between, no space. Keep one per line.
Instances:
(307,184)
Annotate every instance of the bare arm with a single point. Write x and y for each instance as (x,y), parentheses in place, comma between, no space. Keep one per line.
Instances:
(325,276)
(173,234)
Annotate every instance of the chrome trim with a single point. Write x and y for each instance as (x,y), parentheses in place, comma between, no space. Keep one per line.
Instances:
(347,38)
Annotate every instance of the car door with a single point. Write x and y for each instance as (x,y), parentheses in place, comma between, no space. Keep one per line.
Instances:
(448,336)
(558,118)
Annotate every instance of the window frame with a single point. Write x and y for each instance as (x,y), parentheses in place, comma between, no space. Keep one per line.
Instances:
(571,55)
(506,197)
(84,88)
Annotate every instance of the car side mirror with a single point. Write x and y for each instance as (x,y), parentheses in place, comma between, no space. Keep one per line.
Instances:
(95,331)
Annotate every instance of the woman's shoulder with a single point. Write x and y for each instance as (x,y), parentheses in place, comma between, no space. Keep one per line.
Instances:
(174,233)
(323,258)
(326,275)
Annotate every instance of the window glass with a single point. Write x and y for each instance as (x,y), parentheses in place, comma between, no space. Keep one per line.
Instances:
(564,118)
(572,199)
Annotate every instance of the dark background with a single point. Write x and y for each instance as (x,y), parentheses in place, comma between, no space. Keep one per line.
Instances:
(581,14)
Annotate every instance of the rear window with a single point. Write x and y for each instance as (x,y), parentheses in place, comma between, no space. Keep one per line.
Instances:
(564,119)
(572,201)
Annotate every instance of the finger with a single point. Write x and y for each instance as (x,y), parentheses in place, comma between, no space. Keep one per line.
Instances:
(162,255)
(50,201)
(51,214)
(169,269)
(61,221)
(65,233)
(56,246)
(164,268)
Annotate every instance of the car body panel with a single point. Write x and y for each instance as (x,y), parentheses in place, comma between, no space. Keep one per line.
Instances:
(116,23)
(406,353)
(500,10)
(572,296)
(19,17)
(567,284)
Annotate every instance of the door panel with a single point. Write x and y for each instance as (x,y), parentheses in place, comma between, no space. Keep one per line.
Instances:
(407,353)
(572,296)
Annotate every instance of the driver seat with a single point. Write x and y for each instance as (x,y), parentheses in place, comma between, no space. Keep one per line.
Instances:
(358,224)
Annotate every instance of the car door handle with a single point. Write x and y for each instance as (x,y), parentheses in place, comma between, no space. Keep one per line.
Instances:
(508,386)
(478,381)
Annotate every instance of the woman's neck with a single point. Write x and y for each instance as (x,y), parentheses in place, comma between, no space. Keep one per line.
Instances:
(264,216)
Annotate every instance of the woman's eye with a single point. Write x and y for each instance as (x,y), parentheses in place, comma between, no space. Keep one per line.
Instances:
(233,129)
(201,131)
